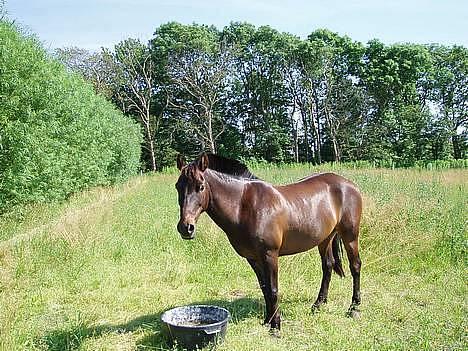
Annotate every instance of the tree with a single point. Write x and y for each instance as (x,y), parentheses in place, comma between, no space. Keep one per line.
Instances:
(196,68)
(450,84)
(197,71)
(134,83)
(391,76)
(3,11)
(259,101)
(198,83)
(91,65)
(325,90)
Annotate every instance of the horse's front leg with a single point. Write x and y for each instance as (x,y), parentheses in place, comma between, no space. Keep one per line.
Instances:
(258,269)
(270,275)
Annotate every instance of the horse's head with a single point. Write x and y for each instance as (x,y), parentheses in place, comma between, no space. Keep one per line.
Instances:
(193,193)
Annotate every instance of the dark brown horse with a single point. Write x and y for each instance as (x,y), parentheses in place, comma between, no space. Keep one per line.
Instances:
(263,222)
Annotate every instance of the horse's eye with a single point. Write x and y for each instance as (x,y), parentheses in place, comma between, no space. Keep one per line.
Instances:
(201,187)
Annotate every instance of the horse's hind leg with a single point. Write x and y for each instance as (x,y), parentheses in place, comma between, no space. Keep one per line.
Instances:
(349,234)
(326,254)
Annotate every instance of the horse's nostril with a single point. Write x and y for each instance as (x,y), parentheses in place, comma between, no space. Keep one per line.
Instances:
(190,228)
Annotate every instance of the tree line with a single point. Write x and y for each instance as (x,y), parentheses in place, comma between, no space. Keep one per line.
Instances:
(256,93)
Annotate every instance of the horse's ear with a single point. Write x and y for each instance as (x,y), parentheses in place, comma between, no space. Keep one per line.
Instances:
(180,161)
(203,162)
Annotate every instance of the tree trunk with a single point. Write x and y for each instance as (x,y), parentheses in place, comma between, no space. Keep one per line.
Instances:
(296,143)
(153,156)
(456,147)
(211,141)
(316,128)
(306,132)
(150,143)
(336,150)
(332,132)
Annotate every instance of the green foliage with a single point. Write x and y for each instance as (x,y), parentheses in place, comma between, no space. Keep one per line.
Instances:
(196,71)
(254,92)
(56,135)
(448,81)
(258,101)
(177,37)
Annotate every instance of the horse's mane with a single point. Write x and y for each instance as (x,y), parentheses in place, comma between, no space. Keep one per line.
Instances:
(229,167)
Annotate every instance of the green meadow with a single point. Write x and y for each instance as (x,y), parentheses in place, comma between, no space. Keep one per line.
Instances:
(97,271)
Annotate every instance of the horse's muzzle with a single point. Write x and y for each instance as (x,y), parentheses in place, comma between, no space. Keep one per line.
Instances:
(187,231)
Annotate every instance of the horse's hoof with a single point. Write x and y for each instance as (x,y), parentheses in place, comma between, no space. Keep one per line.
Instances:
(354,313)
(316,307)
(275,332)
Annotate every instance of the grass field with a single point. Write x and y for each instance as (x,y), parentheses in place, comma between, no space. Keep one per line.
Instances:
(96,272)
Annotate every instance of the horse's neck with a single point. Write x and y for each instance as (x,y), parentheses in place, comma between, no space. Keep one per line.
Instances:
(225,200)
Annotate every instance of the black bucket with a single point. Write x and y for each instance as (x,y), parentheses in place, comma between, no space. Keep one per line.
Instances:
(193,327)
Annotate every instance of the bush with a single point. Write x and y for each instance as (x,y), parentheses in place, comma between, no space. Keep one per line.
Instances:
(56,135)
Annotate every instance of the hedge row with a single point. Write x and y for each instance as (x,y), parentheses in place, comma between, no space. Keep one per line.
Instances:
(56,135)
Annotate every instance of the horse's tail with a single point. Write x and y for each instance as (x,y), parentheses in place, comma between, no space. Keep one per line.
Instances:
(337,248)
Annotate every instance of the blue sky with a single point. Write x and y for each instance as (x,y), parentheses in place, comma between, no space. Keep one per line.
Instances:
(91,24)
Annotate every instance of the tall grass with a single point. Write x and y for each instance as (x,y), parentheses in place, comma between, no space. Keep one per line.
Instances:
(423,164)
(96,272)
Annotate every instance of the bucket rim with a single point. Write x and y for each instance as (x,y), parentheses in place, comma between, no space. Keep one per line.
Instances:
(164,317)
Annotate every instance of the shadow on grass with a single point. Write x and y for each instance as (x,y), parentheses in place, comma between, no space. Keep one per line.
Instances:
(150,325)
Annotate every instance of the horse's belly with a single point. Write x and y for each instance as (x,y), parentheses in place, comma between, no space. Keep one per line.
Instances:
(298,241)
(303,232)
(243,244)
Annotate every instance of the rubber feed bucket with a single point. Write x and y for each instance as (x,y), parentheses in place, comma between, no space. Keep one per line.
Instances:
(193,327)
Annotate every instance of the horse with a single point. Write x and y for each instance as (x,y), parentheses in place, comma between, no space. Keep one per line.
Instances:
(264,222)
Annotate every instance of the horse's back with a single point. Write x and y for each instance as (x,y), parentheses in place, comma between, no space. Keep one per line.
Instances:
(344,194)
(338,185)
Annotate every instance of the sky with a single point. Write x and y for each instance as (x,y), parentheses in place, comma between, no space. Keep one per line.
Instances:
(103,23)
